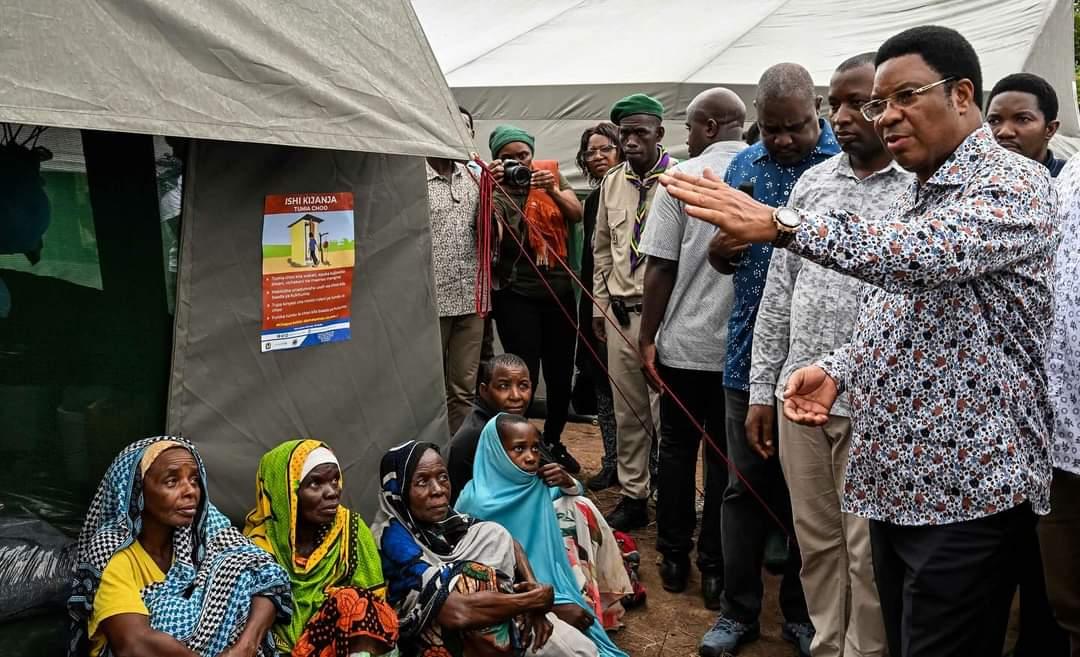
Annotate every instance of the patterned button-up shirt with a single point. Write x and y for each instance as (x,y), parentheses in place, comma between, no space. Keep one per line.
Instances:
(453,204)
(1063,351)
(772,183)
(807,311)
(950,414)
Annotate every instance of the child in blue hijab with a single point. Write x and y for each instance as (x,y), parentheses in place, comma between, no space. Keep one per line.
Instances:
(507,489)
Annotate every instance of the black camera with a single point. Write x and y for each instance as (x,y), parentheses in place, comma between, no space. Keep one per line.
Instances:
(516,174)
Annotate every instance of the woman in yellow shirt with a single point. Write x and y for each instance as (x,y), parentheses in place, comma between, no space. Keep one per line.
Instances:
(160,571)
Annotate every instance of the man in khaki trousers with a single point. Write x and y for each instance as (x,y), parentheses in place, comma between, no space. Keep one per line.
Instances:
(618,282)
(806,312)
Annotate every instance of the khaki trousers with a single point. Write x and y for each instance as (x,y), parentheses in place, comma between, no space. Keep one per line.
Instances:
(461,339)
(837,569)
(637,410)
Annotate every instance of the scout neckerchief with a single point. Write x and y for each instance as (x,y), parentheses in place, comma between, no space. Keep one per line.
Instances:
(643,186)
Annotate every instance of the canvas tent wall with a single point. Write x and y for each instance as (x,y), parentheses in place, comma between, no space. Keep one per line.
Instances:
(312,95)
(556,67)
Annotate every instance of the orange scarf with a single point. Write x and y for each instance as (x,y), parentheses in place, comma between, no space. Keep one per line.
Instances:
(544,220)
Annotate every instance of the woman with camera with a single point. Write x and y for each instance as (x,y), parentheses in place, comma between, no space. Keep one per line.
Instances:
(538,206)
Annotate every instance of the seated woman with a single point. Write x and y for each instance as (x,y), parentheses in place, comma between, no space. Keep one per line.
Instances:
(462,588)
(328,552)
(160,571)
(595,554)
(506,489)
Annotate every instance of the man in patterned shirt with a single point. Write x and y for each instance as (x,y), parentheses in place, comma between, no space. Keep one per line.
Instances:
(1059,532)
(807,311)
(951,420)
(793,139)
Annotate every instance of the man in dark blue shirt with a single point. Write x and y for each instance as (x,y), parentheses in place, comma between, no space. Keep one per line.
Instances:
(1022,112)
(793,139)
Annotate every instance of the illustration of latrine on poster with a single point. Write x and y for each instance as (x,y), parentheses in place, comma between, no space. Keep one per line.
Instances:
(308,254)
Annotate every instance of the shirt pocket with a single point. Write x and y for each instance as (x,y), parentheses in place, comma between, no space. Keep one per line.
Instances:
(618,230)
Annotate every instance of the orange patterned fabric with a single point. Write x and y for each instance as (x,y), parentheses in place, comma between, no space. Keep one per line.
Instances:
(347,614)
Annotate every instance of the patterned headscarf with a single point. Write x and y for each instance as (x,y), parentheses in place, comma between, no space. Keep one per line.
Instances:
(345,556)
(206,596)
(643,185)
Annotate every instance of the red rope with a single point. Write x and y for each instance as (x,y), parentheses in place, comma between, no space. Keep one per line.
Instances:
(665,390)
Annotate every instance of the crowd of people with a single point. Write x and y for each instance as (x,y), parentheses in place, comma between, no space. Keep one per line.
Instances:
(866,323)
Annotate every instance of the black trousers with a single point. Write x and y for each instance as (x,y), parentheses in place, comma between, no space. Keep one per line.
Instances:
(703,395)
(1040,633)
(536,330)
(946,589)
(745,525)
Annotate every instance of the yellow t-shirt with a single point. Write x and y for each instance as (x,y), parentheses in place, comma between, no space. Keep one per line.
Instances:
(128,572)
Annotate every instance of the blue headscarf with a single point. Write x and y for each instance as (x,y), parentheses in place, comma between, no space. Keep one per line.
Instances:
(520,501)
(206,596)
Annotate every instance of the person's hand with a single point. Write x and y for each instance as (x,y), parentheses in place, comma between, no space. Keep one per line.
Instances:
(544,180)
(497,170)
(725,252)
(709,198)
(598,328)
(240,649)
(809,395)
(760,420)
(542,596)
(648,365)
(556,476)
(538,630)
(574,615)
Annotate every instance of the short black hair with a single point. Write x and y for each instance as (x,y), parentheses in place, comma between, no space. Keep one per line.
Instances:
(487,368)
(1029,83)
(604,129)
(472,125)
(505,420)
(943,49)
(858,61)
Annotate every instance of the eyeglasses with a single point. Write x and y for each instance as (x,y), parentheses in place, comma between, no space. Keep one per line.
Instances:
(903,98)
(603,150)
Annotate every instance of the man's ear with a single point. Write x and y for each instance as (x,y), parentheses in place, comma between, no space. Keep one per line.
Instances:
(1052,128)
(660,133)
(712,128)
(817,104)
(963,93)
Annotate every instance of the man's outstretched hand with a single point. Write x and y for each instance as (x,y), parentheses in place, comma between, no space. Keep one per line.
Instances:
(709,198)
(809,395)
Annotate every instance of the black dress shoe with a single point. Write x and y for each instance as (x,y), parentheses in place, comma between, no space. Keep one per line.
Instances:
(673,574)
(712,587)
(606,478)
(564,458)
(630,514)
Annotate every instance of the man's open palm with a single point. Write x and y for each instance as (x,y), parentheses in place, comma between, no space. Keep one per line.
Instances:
(809,395)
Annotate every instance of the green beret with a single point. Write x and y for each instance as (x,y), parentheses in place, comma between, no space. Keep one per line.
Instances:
(636,104)
(506,134)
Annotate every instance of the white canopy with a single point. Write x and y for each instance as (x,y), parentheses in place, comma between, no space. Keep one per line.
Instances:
(355,76)
(556,67)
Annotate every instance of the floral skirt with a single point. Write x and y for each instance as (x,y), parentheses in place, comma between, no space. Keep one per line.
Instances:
(348,614)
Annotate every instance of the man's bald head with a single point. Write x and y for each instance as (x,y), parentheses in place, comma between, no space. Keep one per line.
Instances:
(785,82)
(714,115)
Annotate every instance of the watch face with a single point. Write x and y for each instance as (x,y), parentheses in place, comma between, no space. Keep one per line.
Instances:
(788,217)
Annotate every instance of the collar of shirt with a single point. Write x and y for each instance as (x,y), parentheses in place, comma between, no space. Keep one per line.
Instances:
(966,160)
(432,174)
(826,146)
(723,147)
(1053,163)
(842,167)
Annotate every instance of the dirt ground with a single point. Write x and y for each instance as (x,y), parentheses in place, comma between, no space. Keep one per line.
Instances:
(671,625)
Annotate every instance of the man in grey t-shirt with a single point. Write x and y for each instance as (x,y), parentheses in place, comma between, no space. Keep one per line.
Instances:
(683,337)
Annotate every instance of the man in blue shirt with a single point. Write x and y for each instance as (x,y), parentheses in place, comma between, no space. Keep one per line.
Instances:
(793,139)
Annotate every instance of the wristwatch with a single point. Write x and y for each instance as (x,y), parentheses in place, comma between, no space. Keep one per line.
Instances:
(787,222)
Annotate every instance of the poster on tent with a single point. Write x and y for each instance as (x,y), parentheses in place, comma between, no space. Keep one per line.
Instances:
(308,254)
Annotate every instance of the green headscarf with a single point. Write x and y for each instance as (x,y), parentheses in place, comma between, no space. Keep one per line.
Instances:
(347,555)
(506,134)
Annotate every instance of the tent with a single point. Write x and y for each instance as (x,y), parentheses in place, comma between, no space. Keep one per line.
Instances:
(275,98)
(556,67)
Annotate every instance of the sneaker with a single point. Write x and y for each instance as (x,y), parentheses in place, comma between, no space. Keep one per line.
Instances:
(564,458)
(628,515)
(726,635)
(799,634)
(606,478)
